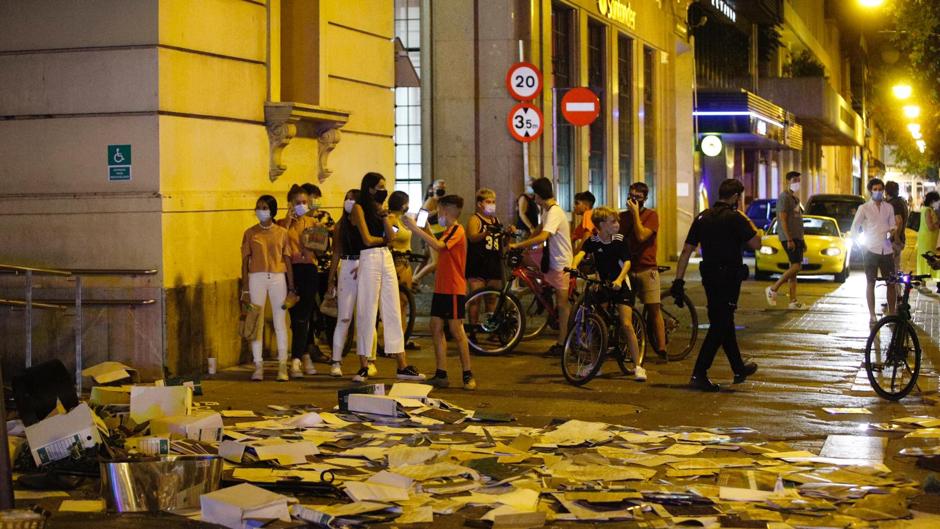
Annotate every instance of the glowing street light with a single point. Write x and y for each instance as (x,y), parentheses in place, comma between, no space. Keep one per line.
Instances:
(871,3)
(902,90)
(921,146)
(917,135)
(913,127)
(911,111)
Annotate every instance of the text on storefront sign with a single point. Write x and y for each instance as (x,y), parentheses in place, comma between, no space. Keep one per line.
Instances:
(725,9)
(618,11)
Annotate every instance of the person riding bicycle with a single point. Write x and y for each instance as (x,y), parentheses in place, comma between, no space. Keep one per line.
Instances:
(612,258)
(556,256)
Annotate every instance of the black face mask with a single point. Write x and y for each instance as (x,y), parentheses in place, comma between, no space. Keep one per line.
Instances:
(440,192)
(380,195)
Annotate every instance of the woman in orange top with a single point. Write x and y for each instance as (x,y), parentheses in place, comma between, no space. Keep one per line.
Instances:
(306,275)
(267,274)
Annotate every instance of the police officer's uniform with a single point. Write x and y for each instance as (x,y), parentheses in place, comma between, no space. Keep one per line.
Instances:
(721,230)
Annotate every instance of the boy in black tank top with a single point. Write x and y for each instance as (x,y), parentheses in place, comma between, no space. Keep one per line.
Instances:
(484,263)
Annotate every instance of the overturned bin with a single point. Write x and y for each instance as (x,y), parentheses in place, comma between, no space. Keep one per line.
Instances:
(167,483)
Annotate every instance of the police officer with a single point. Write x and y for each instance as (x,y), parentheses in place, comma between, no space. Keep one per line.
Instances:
(721,230)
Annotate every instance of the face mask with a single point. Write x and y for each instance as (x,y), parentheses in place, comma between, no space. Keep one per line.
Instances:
(263,215)
(878,196)
(440,192)
(300,209)
(315,205)
(441,221)
(528,189)
(489,209)
(380,195)
(795,187)
(348,205)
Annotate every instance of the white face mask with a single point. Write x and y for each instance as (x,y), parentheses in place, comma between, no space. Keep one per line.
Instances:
(300,209)
(489,209)
(934,205)
(263,215)
(442,221)
(795,187)
(348,205)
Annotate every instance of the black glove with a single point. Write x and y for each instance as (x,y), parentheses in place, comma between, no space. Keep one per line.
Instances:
(677,291)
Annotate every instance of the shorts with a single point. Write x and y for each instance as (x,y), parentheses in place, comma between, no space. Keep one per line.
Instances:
(485,267)
(795,255)
(624,296)
(557,279)
(448,306)
(875,263)
(646,285)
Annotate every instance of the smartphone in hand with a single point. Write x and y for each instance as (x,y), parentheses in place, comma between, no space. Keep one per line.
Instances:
(422,220)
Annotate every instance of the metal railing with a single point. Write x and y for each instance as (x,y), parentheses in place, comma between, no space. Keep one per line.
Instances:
(58,304)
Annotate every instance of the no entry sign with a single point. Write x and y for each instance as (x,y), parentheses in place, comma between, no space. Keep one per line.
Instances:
(524,122)
(524,81)
(580,106)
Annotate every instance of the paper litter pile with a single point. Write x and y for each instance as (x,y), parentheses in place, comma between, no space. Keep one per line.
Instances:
(406,457)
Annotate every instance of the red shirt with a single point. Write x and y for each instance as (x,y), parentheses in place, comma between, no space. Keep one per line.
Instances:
(452,262)
(643,254)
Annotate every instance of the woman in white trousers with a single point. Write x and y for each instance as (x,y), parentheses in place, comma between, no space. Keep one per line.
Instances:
(378,282)
(267,275)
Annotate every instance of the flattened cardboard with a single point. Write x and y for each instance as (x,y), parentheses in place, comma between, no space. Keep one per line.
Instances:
(150,402)
(111,372)
(236,507)
(202,426)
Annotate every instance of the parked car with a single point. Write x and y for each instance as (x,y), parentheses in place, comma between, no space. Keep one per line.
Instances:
(827,251)
(762,211)
(842,208)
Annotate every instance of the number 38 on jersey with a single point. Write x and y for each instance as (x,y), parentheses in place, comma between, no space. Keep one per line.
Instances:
(524,122)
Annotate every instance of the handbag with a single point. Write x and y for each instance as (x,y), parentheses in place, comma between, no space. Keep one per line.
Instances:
(249,321)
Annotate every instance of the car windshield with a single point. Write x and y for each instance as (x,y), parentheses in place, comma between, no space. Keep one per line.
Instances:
(841,210)
(758,210)
(812,226)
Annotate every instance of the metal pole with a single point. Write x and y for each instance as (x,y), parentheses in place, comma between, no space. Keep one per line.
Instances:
(525,145)
(6,472)
(78,334)
(29,318)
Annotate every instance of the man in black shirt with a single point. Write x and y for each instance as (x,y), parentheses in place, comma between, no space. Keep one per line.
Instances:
(901,213)
(721,230)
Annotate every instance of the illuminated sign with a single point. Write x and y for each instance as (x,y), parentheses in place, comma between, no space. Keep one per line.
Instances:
(711,145)
(762,127)
(618,11)
(726,8)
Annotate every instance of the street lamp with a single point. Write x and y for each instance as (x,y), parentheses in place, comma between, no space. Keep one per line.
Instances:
(871,3)
(916,134)
(902,90)
(911,111)
(913,127)
(921,146)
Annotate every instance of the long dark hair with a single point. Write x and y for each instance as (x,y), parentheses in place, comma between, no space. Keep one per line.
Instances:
(355,195)
(369,207)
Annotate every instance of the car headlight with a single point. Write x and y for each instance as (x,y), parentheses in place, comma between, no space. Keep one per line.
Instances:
(768,250)
(831,251)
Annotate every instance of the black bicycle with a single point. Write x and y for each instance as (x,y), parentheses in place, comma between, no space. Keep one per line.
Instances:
(593,323)
(892,353)
(680,322)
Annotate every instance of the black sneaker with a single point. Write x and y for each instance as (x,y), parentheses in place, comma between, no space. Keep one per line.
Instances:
(749,369)
(362,375)
(555,350)
(410,373)
(702,383)
(438,382)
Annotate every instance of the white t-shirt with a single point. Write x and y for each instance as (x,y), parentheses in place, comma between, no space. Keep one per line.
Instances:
(555,222)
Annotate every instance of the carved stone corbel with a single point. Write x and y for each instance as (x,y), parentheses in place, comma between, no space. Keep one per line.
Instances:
(286,120)
(326,143)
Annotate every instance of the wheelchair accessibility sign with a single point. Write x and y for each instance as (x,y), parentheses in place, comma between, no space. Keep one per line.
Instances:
(119,162)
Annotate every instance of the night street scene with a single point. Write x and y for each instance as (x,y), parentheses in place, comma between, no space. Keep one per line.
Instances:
(490,264)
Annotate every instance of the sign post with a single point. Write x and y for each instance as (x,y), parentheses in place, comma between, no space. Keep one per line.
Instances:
(119,163)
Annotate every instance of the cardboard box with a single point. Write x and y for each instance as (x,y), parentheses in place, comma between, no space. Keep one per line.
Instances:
(203,426)
(374,404)
(110,395)
(370,389)
(52,439)
(111,372)
(150,402)
(241,506)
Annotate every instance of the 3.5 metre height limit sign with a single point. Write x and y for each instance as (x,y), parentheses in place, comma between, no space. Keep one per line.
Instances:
(524,122)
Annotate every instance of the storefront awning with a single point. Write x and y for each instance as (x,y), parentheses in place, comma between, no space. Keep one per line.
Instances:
(743,118)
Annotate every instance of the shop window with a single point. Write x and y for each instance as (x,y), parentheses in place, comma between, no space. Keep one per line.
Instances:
(625,116)
(597,133)
(649,123)
(408,106)
(563,70)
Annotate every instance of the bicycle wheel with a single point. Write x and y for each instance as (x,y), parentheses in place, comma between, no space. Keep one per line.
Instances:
(501,321)
(536,314)
(409,310)
(585,347)
(892,357)
(681,325)
(624,360)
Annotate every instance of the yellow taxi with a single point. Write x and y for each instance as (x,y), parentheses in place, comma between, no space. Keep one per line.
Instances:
(827,251)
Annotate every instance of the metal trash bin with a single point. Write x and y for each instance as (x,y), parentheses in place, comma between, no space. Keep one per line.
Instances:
(168,483)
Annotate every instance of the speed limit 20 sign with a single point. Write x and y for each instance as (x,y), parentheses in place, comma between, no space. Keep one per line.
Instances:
(524,81)
(524,122)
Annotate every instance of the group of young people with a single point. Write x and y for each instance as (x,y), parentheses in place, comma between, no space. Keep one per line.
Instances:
(367,267)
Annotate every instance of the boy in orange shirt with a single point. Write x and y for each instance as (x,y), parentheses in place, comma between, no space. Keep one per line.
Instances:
(450,288)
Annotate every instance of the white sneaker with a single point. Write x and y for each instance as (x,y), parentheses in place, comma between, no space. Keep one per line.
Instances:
(640,374)
(258,375)
(336,370)
(295,371)
(771,296)
(309,368)
(373,371)
(796,305)
(362,375)
(282,372)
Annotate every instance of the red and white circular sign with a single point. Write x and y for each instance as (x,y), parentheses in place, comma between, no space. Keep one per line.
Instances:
(524,81)
(525,122)
(580,106)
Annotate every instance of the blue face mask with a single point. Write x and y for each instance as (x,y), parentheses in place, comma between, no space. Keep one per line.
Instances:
(878,196)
